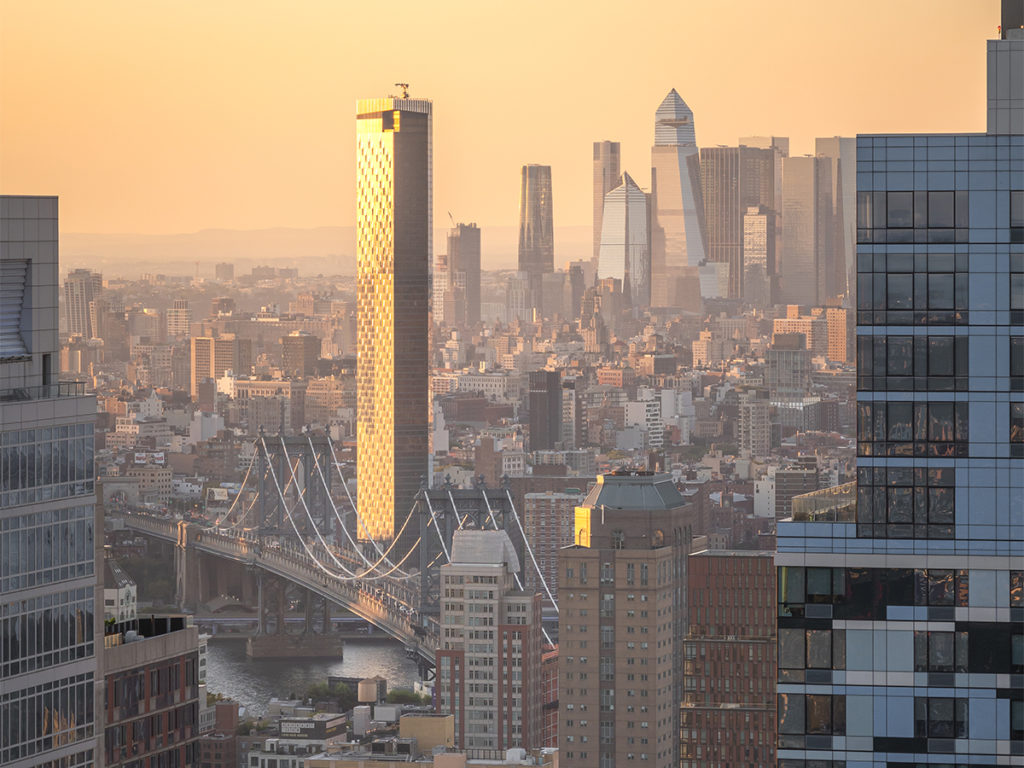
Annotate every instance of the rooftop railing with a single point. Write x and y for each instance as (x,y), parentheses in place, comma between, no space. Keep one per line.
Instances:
(43,392)
(837,504)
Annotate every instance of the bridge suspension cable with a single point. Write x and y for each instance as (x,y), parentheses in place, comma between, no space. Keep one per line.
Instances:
(248,469)
(355,509)
(341,523)
(529,549)
(371,566)
(348,575)
(437,527)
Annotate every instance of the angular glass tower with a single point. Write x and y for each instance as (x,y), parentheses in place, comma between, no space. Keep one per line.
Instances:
(393,252)
(50,608)
(901,601)
(678,202)
(626,241)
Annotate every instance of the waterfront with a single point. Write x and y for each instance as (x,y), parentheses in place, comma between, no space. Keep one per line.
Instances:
(253,682)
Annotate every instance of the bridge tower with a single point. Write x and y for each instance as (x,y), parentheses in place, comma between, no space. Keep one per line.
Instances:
(444,510)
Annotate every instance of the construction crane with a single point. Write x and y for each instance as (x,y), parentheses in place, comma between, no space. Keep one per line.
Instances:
(452,218)
(405,89)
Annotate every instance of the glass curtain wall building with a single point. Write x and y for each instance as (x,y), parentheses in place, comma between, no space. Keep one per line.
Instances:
(626,241)
(536,228)
(901,618)
(678,203)
(393,253)
(50,609)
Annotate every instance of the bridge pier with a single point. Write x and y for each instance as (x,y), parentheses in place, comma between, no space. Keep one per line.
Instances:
(187,569)
(259,603)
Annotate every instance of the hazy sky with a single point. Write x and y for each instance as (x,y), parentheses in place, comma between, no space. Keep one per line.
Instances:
(160,116)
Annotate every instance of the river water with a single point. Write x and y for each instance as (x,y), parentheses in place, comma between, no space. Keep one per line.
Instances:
(253,682)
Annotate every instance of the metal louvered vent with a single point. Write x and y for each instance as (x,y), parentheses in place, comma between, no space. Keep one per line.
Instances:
(13,277)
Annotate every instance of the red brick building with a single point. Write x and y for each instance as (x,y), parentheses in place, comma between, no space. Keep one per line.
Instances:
(151,715)
(549,694)
(219,748)
(728,710)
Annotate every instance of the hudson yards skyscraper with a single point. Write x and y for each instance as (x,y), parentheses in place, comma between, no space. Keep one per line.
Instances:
(393,250)
(901,616)
(678,238)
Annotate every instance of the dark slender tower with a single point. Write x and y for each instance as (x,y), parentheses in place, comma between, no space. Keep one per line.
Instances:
(536,228)
(606,178)
(464,271)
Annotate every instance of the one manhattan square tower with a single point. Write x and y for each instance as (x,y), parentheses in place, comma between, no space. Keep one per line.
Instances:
(393,253)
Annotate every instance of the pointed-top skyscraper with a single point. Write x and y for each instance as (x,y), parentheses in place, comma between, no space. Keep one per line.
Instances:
(678,205)
(625,252)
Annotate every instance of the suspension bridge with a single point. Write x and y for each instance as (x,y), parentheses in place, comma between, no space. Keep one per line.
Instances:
(295,524)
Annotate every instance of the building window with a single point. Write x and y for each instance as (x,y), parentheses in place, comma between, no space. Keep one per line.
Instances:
(906,502)
(900,210)
(1017,430)
(912,289)
(866,593)
(1017,363)
(912,363)
(940,717)
(940,651)
(802,649)
(1017,216)
(814,714)
(938,216)
(912,429)
(1016,287)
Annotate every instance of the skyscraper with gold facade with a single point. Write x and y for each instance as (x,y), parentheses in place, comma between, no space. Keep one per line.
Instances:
(393,250)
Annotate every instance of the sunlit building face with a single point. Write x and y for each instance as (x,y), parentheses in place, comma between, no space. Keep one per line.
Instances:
(393,224)
(625,252)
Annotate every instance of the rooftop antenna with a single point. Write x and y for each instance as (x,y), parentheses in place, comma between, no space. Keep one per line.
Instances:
(405,89)
(452,219)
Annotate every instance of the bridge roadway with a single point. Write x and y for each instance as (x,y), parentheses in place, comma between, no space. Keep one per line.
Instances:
(394,611)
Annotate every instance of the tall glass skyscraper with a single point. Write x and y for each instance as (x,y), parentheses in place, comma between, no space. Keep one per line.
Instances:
(678,204)
(901,610)
(808,228)
(733,179)
(626,241)
(50,610)
(393,252)
(536,228)
(464,275)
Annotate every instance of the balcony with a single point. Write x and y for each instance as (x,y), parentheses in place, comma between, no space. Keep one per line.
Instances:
(43,392)
(837,504)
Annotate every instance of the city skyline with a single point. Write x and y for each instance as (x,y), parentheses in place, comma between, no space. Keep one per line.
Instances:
(737,479)
(189,105)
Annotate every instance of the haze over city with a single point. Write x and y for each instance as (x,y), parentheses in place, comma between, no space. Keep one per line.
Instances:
(170,118)
(480,385)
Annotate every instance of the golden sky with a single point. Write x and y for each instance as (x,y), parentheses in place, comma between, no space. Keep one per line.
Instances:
(153,116)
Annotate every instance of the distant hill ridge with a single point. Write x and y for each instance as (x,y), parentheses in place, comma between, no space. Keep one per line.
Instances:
(316,250)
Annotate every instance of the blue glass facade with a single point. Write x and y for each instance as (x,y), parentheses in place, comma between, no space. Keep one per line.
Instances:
(901,629)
